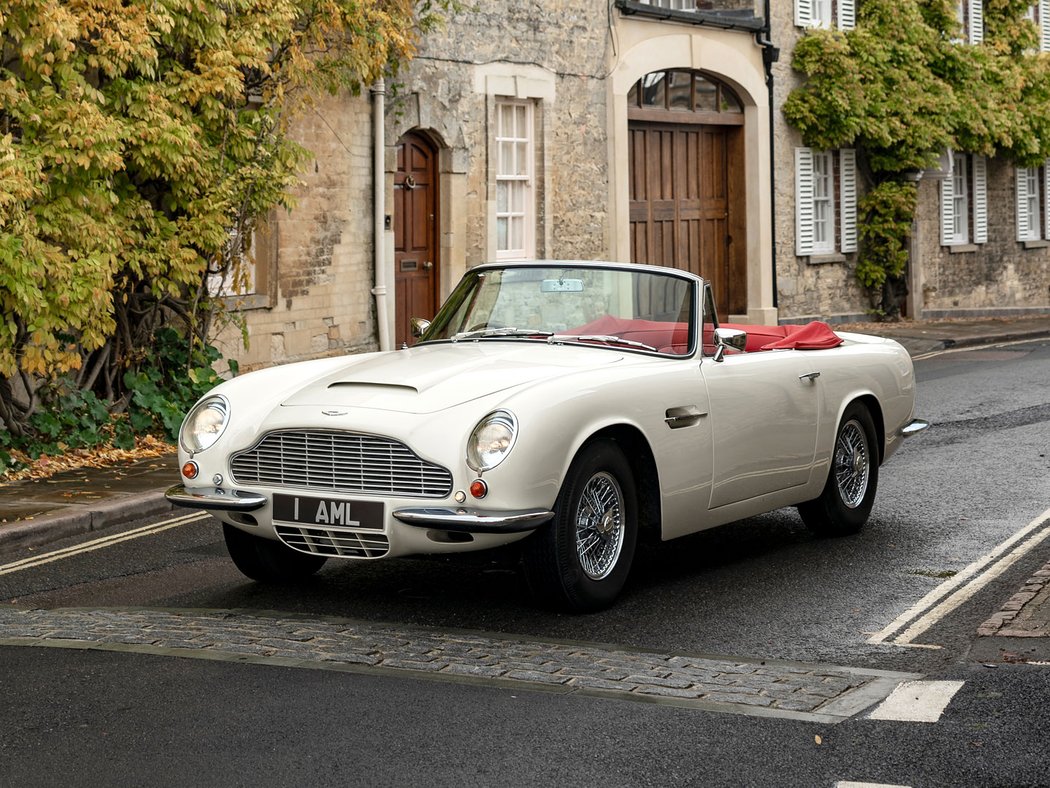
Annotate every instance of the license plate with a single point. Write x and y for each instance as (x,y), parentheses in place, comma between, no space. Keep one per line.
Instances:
(328,511)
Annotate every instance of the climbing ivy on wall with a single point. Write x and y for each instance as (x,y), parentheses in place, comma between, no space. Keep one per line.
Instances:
(900,88)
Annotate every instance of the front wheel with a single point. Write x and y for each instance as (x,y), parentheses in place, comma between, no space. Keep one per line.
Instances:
(580,560)
(266,560)
(845,503)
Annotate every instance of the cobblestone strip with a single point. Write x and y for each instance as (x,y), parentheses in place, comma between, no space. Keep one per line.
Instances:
(775,689)
(1005,623)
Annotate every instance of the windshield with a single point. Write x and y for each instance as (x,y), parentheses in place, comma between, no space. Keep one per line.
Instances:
(639,310)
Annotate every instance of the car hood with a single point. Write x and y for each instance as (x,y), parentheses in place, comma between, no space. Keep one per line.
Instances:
(431,378)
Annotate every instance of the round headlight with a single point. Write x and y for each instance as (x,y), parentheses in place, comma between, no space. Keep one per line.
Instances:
(491,441)
(205,424)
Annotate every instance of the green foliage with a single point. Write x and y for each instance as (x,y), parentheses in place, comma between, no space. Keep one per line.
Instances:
(886,214)
(901,87)
(161,392)
(141,141)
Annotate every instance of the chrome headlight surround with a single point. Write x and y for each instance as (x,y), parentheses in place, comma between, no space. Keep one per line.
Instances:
(205,424)
(491,441)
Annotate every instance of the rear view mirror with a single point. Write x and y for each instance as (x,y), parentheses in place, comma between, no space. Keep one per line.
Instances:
(419,325)
(732,338)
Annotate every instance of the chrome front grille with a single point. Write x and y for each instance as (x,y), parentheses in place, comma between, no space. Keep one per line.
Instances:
(335,542)
(340,461)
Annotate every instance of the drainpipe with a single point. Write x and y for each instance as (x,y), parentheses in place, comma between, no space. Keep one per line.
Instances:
(378,92)
(770,55)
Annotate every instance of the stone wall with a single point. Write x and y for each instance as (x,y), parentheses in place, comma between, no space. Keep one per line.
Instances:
(552,53)
(999,277)
(316,281)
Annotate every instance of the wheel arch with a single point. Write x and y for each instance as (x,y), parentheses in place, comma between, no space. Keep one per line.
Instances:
(871,403)
(640,457)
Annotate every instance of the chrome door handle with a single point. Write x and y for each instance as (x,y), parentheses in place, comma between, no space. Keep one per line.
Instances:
(428,265)
(809,376)
(687,416)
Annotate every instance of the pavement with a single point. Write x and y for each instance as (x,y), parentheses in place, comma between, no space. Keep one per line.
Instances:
(34,513)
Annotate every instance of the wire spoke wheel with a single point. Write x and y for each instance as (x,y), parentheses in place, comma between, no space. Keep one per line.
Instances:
(580,561)
(852,464)
(599,526)
(849,492)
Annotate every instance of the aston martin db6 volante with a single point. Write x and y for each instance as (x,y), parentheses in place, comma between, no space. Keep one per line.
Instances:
(573,407)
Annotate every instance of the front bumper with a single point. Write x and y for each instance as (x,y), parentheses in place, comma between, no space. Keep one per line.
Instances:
(473,521)
(461,520)
(914,427)
(215,499)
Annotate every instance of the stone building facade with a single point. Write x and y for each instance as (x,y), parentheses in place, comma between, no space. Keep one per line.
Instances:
(981,268)
(639,130)
(556,130)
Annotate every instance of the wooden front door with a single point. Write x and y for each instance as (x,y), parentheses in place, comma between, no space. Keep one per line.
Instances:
(686,207)
(415,234)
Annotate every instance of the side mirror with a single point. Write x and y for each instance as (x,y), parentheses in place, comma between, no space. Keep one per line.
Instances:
(419,325)
(732,338)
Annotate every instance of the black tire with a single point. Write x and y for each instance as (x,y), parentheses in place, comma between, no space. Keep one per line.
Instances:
(587,578)
(268,561)
(845,504)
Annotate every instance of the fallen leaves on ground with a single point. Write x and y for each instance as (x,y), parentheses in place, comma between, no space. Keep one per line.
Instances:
(97,457)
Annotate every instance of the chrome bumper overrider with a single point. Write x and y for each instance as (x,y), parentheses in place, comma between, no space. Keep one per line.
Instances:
(914,427)
(474,521)
(214,498)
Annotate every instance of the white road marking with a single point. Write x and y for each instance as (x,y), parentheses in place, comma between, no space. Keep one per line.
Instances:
(917,701)
(935,606)
(98,544)
(842,784)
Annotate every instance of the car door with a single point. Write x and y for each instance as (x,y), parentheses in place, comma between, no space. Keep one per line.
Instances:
(764,409)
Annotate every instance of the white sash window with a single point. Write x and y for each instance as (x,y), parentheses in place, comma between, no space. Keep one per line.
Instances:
(825,196)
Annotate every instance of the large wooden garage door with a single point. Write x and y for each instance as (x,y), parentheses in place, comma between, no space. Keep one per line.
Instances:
(686,191)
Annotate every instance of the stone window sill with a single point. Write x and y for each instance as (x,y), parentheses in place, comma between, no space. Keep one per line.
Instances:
(824,259)
(962,248)
(242,303)
(1036,244)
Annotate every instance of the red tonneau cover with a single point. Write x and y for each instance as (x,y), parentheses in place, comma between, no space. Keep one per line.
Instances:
(812,336)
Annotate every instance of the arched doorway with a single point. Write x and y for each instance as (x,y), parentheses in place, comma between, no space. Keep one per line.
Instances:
(687,180)
(416,264)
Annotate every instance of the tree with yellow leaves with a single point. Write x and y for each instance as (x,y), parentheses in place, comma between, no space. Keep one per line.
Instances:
(137,138)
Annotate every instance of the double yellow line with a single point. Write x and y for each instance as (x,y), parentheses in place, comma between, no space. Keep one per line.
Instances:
(98,544)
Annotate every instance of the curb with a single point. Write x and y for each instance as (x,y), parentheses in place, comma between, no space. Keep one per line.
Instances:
(82,519)
(939,344)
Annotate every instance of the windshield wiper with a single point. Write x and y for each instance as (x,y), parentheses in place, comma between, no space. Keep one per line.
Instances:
(610,339)
(506,331)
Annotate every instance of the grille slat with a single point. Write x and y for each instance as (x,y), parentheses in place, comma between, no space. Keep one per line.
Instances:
(333,542)
(340,461)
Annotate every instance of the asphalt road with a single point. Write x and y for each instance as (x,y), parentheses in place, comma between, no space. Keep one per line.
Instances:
(763,589)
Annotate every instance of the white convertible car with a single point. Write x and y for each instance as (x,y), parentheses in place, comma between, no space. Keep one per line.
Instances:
(572,406)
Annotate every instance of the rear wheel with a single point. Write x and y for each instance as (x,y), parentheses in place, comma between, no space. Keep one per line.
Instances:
(845,504)
(266,560)
(580,560)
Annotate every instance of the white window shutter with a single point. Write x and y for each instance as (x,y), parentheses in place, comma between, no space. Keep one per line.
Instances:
(803,13)
(803,202)
(980,200)
(847,12)
(947,211)
(976,21)
(1021,177)
(1044,25)
(848,198)
(1046,199)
